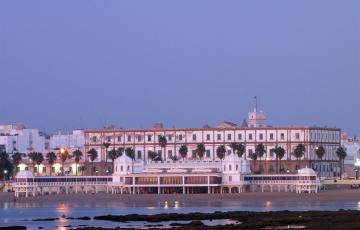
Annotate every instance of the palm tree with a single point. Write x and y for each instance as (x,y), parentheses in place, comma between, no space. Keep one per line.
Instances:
(253,157)
(341,154)
(120,151)
(320,152)
(51,158)
(279,153)
(220,152)
(106,146)
(92,153)
(6,167)
(234,146)
(200,150)
(241,150)
(260,151)
(78,155)
(183,150)
(113,154)
(130,153)
(152,155)
(16,157)
(33,156)
(82,169)
(298,154)
(63,155)
(163,142)
(39,160)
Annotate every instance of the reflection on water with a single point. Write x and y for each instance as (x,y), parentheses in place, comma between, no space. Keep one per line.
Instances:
(21,213)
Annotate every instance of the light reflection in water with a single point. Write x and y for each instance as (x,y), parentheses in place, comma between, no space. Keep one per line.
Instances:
(176,205)
(166,206)
(63,209)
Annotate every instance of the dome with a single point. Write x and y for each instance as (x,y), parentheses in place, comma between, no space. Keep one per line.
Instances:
(231,158)
(306,172)
(24,173)
(123,160)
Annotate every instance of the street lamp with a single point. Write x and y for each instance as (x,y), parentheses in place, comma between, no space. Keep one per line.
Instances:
(5,172)
(357,167)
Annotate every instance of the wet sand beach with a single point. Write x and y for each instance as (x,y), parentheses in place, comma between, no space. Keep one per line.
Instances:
(323,196)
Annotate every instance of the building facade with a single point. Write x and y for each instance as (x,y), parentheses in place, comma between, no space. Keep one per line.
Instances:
(145,140)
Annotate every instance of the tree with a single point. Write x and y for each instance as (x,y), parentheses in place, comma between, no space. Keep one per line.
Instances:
(260,151)
(152,155)
(279,153)
(51,158)
(106,146)
(163,142)
(130,152)
(6,167)
(16,157)
(235,147)
(113,154)
(92,153)
(63,155)
(241,150)
(77,157)
(320,152)
(82,169)
(200,150)
(341,154)
(220,152)
(32,156)
(39,160)
(299,152)
(253,157)
(183,150)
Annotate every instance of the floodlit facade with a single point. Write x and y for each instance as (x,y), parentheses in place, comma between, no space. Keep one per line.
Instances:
(249,134)
(231,175)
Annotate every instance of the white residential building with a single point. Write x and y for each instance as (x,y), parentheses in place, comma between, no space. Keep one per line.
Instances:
(74,140)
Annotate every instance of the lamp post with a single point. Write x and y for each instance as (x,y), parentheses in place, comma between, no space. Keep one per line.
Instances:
(5,173)
(357,168)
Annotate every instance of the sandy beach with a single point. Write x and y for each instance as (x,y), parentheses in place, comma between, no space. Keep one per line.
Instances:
(323,196)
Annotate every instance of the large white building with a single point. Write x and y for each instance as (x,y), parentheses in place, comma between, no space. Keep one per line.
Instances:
(231,175)
(250,135)
(21,139)
(74,140)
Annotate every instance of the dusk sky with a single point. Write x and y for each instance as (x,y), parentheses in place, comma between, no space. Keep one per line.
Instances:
(87,64)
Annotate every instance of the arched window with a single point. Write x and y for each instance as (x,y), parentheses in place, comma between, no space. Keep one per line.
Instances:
(237,167)
(121,168)
(229,167)
(128,168)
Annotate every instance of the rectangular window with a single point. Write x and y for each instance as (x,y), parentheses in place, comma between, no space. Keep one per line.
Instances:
(119,138)
(53,169)
(261,136)
(108,138)
(180,137)
(94,139)
(250,151)
(229,136)
(169,153)
(149,137)
(194,137)
(44,169)
(208,137)
(282,136)
(271,136)
(169,138)
(239,136)
(139,154)
(208,153)
(250,136)
(219,137)
(139,138)
(297,136)
(129,138)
